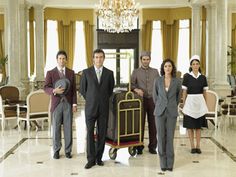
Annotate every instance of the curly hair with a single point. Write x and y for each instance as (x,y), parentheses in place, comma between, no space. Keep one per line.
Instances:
(173,72)
(190,69)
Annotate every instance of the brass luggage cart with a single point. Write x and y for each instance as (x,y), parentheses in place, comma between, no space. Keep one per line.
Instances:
(127,121)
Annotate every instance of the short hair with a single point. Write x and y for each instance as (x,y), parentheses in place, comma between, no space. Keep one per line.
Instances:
(173,72)
(61,52)
(98,51)
(190,69)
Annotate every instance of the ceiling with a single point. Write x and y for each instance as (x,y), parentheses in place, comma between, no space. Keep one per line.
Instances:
(142,3)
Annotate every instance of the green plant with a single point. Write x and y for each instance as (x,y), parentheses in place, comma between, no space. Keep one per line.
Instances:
(231,53)
(3,61)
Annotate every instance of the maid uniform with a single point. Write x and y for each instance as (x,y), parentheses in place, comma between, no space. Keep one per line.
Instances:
(195,106)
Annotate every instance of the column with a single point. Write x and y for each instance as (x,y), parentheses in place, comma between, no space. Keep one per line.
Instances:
(212,27)
(221,85)
(39,42)
(23,49)
(196,29)
(13,47)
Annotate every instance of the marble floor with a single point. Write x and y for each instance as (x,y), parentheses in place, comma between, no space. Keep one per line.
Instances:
(23,155)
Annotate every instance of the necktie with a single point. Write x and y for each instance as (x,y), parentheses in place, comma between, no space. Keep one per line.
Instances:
(62,75)
(98,75)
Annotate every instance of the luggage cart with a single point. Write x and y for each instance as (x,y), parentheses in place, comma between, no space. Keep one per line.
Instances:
(127,121)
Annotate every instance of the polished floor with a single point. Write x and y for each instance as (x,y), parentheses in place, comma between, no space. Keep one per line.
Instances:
(23,155)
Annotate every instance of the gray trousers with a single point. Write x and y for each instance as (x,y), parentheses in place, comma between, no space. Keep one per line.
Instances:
(165,135)
(62,114)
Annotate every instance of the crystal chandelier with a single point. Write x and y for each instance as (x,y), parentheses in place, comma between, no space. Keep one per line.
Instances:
(117,16)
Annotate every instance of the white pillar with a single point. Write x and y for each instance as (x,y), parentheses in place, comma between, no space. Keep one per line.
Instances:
(13,47)
(196,29)
(212,27)
(39,42)
(221,84)
(23,48)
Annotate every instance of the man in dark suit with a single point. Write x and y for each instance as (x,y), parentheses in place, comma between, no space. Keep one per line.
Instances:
(96,86)
(63,103)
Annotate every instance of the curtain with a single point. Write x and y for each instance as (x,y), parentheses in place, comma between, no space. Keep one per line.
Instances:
(190,37)
(88,31)
(1,44)
(203,48)
(66,40)
(233,43)
(31,33)
(147,36)
(45,40)
(170,39)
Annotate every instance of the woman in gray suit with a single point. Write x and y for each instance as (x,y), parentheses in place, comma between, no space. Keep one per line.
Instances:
(166,95)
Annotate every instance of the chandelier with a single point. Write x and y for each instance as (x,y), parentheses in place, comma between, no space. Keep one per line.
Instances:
(117,16)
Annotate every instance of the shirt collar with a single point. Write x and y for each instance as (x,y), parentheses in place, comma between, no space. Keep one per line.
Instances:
(59,68)
(96,69)
(145,68)
(192,74)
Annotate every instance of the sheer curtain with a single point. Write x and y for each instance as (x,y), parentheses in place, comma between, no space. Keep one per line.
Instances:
(156,46)
(52,45)
(80,51)
(183,50)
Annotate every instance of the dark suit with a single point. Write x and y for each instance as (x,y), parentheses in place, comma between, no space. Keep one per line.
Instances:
(61,110)
(96,108)
(166,103)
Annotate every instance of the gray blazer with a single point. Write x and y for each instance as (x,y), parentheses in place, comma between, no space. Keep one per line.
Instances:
(166,100)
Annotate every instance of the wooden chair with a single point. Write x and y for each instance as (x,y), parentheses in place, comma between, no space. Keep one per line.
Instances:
(37,108)
(212,101)
(9,97)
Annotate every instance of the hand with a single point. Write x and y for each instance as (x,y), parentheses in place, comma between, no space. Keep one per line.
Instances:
(74,108)
(139,92)
(58,90)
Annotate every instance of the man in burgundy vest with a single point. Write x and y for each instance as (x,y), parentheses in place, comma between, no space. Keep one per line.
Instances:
(63,103)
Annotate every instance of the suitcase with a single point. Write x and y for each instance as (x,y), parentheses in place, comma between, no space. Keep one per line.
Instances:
(129,108)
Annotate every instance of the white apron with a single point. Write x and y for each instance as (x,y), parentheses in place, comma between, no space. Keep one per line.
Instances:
(195,106)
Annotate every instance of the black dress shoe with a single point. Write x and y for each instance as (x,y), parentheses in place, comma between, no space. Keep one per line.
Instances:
(198,151)
(139,151)
(100,163)
(163,169)
(68,155)
(153,151)
(56,155)
(169,169)
(193,151)
(89,165)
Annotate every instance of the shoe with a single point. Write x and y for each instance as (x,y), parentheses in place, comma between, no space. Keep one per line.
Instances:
(56,155)
(153,151)
(100,163)
(89,165)
(139,151)
(163,169)
(193,151)
(68,155)
(198,151)
(169,169)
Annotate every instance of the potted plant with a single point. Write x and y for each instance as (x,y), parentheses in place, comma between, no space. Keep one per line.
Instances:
(232,58)
(3,62)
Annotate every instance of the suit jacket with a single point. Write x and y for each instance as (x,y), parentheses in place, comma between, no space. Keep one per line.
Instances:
(51,78)
(166,100)
(96,94)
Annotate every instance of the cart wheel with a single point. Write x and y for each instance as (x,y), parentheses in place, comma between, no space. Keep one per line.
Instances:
(132,151)
(112,153)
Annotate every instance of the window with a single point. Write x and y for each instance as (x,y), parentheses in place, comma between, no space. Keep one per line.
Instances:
(28,44)
(52,45)
(156,46)
(183,47)
(80,52)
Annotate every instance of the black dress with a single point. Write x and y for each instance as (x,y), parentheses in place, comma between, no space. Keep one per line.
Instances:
(195,87)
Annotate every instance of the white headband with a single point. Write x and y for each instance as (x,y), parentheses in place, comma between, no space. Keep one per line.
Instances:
(194,57)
